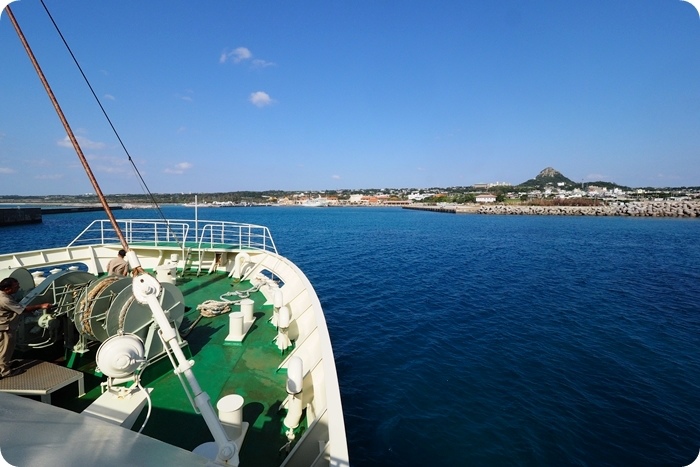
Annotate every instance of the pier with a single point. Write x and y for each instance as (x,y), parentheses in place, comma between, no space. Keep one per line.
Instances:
(19,216)
(455,209)
(450,209)
(66,209)
(22,215)
(633,209)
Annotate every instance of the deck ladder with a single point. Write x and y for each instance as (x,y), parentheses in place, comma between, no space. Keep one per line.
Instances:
(207,260)
(188,261)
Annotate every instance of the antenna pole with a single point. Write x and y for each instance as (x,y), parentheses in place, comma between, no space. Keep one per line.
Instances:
(67,127)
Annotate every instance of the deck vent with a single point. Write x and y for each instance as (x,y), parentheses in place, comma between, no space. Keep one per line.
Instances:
(283,321)
(295,383)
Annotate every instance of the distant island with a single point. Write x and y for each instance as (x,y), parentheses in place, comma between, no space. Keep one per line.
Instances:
(548,187)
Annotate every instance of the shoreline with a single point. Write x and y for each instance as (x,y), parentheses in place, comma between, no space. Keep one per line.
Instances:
(634,209)
(684,209)
(678,209)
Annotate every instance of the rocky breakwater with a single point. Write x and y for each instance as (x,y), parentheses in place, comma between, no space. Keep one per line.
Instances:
(635,209)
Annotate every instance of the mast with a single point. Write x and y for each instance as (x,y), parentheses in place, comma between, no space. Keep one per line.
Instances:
(147,290)
(69,131)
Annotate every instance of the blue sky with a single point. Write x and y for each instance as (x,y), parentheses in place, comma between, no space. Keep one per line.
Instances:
(220,96)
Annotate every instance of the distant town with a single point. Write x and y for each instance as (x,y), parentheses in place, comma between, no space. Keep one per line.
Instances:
(549,187)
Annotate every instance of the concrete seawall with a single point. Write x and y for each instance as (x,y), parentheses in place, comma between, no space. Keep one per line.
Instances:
(450,209)
(636,209)
(65,209)
(19,216)
(454,209)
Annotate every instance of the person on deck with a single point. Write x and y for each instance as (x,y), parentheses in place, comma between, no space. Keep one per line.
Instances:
(118,265)
(9,320)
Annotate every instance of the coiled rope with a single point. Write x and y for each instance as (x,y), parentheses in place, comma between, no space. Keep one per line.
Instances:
(212,308)
(88,302)
(122,314)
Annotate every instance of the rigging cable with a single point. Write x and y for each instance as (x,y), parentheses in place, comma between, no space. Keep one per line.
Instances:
(69,131)
(104,112)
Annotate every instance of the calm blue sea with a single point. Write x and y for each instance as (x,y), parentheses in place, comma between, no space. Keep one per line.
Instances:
(493,340)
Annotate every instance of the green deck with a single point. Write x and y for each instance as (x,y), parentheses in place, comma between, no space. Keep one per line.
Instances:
(248,369)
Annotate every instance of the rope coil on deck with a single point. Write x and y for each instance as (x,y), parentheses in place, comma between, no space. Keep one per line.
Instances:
(211,308)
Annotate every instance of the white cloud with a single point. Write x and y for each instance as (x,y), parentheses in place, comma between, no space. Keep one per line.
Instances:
(82,141)
(238,55)
(110,169)
(242,54)
(179,168)
(6,170)
(260,99)
(110,97)
(109,164)
(258,63)
(335,177)
(187,96)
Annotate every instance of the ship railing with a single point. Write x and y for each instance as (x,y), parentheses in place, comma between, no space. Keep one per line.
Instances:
(202,234)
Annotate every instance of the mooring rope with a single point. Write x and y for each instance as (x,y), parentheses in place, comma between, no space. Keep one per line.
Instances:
(211,308)
(88,302)
(122,314)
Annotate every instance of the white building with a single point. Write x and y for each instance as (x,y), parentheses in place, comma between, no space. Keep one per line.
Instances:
(486,198)
(415,196)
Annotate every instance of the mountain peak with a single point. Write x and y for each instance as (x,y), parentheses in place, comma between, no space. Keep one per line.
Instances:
(548,176)
(549,172)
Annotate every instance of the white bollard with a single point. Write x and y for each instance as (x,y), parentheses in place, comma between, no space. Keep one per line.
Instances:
(235,327)
(231,414)
(247,309)
(166,273)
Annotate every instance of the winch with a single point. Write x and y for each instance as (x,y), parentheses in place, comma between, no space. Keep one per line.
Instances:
(89,308)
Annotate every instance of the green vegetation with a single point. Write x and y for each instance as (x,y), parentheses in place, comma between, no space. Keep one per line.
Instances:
(549,185)
(550,177)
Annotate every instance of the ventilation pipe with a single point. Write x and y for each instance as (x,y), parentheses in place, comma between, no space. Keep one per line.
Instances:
(283,321)
(277,302)
(295,383)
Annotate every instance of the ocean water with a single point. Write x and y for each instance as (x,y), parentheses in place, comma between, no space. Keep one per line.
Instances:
(493,340)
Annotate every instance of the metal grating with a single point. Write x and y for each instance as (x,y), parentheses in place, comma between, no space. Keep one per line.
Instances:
(40,378)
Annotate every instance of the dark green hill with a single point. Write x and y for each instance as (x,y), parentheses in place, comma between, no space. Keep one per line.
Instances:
(548,177)
(552,178)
